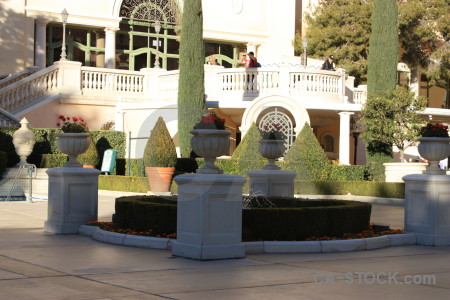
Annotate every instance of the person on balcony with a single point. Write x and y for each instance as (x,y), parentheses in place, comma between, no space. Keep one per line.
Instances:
(213,61)
(251,61)
(329,64)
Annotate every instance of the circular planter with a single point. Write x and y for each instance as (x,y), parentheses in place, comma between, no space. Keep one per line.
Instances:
(434,149)
(72,144)
(271,149)
(209,144)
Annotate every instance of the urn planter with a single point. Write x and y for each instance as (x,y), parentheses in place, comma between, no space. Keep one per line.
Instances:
(209,144)
(72,144)
(271,149)
(434,149)
(24,140)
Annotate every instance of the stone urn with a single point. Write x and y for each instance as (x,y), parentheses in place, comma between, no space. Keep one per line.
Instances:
(271,149)
(24,140)
(72,144)
(209,144)
(434,149)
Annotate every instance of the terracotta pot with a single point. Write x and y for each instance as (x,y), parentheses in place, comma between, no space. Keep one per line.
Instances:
(89,166)
(434,149)
(72,144)
(209,144)
(160,178)
(271,149)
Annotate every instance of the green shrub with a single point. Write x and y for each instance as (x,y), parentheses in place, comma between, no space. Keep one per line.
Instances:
(350,173)
(142,213)
(246,157)
(90,157)
(357,188)
(160,148)
(377,154)
(53,160)
(123,183)
(136,166)
(293,219)
(307,158)
(3,163)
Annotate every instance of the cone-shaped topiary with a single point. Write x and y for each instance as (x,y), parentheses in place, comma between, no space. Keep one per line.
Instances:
(246,156)
(307,158)
(160,149)
(90,157)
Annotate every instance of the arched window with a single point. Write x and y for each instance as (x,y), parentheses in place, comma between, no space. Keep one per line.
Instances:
(276,119)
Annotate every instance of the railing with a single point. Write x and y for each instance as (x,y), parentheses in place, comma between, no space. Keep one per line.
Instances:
(34,86)
(99,81)
(8,120)
(17,76)
(168,84)
(249,82)
(359,96)
(315,82)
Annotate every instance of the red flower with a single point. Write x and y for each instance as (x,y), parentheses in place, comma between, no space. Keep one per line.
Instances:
(75,119)
(222,120)
(58,124)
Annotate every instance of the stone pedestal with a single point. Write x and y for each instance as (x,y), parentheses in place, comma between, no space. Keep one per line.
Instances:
(272,182)
(427,208)
(209,219)
(395,171)
(72,199)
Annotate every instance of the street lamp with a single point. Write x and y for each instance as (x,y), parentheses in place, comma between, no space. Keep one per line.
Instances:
(64,16)
(305,45)
(354,128)
(157,30)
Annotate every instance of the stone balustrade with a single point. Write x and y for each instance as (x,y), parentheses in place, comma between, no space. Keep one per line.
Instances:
(100,80)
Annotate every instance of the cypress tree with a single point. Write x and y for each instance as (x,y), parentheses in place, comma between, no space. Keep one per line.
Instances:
(191,88)
(383,48)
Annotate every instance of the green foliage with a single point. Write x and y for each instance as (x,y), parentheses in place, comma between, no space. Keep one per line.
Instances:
(123,183)
(246,157)
(53,160)
(383,51)
(340,28)
(293,219)
(3,162)
(191,91)
(142,213)
(393,118)
(90,157)
(160,148)
(350,173)
(109,139)
(357,188)
(306,157)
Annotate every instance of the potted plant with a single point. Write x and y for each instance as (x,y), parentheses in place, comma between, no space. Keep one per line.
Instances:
(90,158)
(272,145)
(434,146)
(73,141)
(160,158)
(210,140)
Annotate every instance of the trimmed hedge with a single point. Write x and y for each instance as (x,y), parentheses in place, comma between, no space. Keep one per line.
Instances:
(294,219)
(123,183)
(3,163)
(53,160)
(291,219)
(142,213)
(45,143)
(350,173)
(358,188)
(246,157)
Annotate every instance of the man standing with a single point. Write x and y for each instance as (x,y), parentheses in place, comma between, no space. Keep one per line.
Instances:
(329,64)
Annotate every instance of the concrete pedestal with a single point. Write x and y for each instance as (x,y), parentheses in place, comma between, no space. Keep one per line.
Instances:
(209,218)
(427,208)
(72,199)
(272,182)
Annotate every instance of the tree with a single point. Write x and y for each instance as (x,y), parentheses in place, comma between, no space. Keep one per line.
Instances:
(191,91)
(383,48)
(393,119)
(424,28)
(341,28)
(439,70)
(160,148)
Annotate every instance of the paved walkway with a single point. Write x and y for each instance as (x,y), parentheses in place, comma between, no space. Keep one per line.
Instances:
(38,265)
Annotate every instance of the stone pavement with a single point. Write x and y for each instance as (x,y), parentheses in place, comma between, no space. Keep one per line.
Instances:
(38,265)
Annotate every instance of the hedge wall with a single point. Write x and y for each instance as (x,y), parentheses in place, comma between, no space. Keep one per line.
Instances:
(3,162)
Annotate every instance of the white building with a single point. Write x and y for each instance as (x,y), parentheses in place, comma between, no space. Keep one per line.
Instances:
(110,78)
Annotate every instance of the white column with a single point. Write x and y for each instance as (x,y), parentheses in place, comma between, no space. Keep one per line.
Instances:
(344,138)
(100,42)
(39,52)
(110,48)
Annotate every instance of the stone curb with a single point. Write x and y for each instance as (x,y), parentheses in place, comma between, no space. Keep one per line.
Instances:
(390,240)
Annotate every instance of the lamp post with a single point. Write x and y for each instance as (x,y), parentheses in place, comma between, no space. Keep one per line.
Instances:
(157,30)
(64,16)
(305,45)
(355,133)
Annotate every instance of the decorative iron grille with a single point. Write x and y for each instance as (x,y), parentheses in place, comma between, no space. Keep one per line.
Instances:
(166,11)
(279,121)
